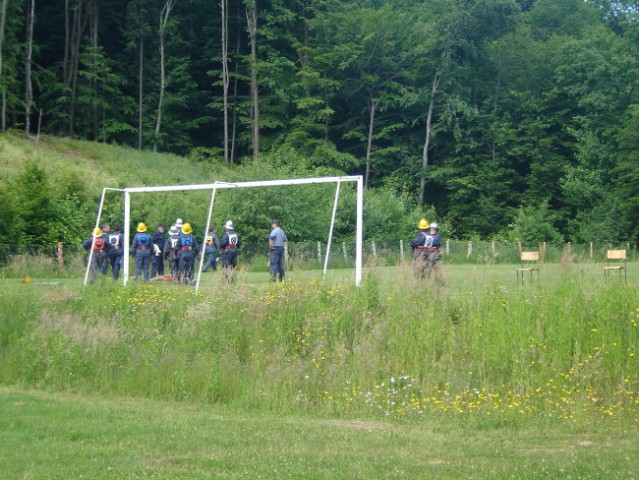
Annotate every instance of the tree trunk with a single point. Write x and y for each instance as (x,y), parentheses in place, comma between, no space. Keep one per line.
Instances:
(369,143)
(429,128)
(251,18)
(72,56)
(225,77)
(28,97)
(164,20)
(3,12)
(140,90)
(94,45)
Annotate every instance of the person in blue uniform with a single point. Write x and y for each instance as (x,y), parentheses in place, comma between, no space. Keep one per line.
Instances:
(141,248)
(211,248)
(188,249)
(116,251)
(229,245)
(157,259)
(171,248)
(97,246)
(277,242)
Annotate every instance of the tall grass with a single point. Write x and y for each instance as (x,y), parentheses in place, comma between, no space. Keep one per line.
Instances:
(567,349)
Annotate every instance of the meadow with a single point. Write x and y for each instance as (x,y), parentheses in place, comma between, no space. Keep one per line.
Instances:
(470,376)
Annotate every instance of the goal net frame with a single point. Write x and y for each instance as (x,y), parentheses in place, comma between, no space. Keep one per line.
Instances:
(218,185)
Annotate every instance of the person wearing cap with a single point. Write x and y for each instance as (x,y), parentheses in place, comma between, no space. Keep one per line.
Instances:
(116,251)
(141,250)
(211,247)
(188,249)
(157,259)
(277,242)
(97,247)
(171,247)
(229,244)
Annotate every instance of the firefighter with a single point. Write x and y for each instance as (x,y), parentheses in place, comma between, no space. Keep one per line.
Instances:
(210,250)
(157,260)
(116,251)
(170,250)
(229,244)
(277,242)
(97,247)
(188,249)
(141,250)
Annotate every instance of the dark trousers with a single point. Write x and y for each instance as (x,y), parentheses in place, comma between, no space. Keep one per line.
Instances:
(276,263)
(142,263)
(229,263)
(157,265)
(186,259)
(115,259)
(210,261)
(99,264)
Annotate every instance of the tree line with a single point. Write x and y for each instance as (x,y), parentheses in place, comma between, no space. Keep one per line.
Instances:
(500,116)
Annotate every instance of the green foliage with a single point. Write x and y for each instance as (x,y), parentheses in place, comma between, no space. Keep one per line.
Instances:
(534,225)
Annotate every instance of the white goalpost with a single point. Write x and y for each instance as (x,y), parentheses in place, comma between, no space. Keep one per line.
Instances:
(214,187)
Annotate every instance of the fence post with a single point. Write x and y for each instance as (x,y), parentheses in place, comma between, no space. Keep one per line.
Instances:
(374,249)
(492,246)
(319,252)
(519,246)
(401,247)
(470,249)
(447,247)
(60,256)
(591,251)
(344,251)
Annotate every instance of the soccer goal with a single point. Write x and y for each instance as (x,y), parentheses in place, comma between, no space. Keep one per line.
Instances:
(214,187)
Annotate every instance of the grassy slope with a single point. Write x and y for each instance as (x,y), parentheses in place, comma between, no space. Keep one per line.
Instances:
(101,165)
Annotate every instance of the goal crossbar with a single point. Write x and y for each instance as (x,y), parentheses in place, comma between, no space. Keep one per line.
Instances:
(218,185)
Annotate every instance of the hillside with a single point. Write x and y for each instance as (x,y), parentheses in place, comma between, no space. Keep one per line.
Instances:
(101,165)
(52,188)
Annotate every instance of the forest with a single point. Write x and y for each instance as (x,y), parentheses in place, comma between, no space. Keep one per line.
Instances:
(492,114)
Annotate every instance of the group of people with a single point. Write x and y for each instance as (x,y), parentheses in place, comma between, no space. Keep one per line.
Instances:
(179,249)
(425,247)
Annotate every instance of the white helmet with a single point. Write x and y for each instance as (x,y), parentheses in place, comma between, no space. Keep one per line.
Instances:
(434,225)
(179,223)
(228,224)
(173,230)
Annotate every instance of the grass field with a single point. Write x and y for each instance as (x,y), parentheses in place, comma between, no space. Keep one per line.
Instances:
(47,435)
(473,376)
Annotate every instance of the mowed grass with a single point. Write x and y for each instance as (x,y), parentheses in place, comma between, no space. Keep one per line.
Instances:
(472,376)
(45,435)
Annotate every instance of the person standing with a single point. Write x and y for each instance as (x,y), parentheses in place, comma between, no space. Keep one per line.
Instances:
(210,250)
(116,251)
(186,254)
(171,248)
(106,229)
(96,247)
(141,246)
(157,260)
(277,242)
(229,244)
(418,247)
(433,245)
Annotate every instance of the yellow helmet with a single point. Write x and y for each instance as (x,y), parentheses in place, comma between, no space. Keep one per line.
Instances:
(209,240)
(186,228)
(141,227)
(97,232)
(423,224)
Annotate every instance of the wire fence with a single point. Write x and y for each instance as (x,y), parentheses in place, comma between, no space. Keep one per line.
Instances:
(58,259)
